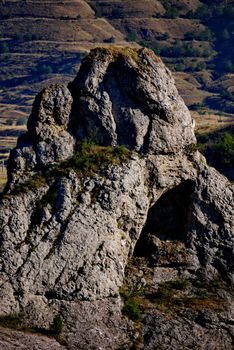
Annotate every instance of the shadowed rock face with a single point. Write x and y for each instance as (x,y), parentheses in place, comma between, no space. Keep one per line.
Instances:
(77,217)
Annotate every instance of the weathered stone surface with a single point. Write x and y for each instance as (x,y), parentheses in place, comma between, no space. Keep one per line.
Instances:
(129,97)
(68,233)
(11,340)
(47,140)
(170,334)
(50,113)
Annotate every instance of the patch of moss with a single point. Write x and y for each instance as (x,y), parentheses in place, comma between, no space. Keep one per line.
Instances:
(116,52)
(12,321)
(35,182)
(87,160)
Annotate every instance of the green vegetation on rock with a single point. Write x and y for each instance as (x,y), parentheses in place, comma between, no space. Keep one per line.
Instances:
(89,158)
(12,321)
(58,325)
(130,307)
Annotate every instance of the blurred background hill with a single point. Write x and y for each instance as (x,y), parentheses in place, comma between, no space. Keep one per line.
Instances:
(43,42)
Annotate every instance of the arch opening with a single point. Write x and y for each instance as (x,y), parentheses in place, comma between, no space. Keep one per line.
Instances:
(163,239)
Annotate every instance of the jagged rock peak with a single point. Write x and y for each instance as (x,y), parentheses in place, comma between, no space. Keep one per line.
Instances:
(121,96)
(128,96)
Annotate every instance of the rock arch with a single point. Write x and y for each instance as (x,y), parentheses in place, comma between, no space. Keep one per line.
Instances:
(163,239)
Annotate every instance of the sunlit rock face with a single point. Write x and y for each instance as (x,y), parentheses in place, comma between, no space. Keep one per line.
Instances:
(129,97)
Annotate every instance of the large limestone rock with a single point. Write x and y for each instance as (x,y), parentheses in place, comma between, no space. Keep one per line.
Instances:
(129,97)
(80,222)
(47,140)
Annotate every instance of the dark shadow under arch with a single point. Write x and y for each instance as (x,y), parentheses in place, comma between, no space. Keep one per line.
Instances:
(167,221)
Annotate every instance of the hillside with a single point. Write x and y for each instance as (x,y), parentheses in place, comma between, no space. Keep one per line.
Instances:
(44,41)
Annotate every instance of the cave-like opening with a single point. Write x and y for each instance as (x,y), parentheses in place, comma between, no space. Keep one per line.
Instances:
(165,230)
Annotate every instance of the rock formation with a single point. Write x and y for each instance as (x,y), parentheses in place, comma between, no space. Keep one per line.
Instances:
(112,220)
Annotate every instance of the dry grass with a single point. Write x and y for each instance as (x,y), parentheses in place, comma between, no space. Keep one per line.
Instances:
(54,9)
(209,122)
(3,179)
(189,88)
(136,8)
(175,28)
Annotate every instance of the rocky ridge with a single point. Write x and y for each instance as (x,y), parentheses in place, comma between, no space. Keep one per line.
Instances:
(108,197)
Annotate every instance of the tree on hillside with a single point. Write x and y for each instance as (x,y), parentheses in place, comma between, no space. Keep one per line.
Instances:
(4,47)
(225,34)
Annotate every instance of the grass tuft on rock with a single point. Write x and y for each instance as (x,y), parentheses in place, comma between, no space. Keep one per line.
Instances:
(89,158)
(131,307)
(12,321)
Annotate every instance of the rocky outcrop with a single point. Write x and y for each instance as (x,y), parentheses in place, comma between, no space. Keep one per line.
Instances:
(135,213)
(129,97)
(47,140)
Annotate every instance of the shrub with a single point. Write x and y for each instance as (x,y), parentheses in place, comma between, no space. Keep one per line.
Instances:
(225,34)
(131,36)
(97,10)
(156,49)
(21,121)
(190,14)
(190,35)
(171,12)
(197,106)
(178,50)
(10,121)
(118,13)
(30,37)
(200,66)
(179,67)
(17,37)
(228,66)
(165,36)
(35,182)
(207,34)
(12,321)
(4,47)
(131,307)
(58,324)
(228,95)
(218,149)
(225,149)
(45,69)
(109,40)
(203,12)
